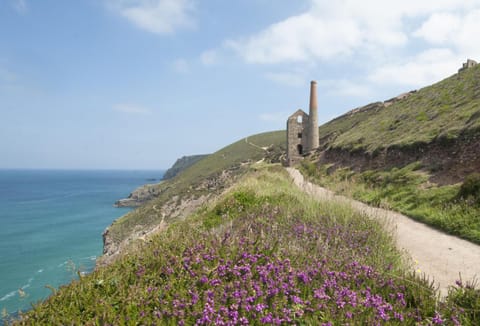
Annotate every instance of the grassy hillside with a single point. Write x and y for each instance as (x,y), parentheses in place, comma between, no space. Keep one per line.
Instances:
(263,253)
(244,151)
(181,164)
(207,177)
(454,209)
(445,109)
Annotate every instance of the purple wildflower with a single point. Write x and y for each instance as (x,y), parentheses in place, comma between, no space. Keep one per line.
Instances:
(437,319)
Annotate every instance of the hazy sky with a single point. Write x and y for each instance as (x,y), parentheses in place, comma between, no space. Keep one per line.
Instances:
(138,83)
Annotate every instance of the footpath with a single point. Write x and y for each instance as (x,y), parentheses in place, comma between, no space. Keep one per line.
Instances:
(442,257)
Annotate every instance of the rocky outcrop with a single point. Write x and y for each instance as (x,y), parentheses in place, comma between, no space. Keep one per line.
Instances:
(140,195)
(170,206)
(175,208)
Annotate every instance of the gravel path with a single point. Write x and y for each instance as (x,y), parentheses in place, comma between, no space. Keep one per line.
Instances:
(440,256)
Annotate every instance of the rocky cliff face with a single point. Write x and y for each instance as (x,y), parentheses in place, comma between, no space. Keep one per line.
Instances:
(140,195)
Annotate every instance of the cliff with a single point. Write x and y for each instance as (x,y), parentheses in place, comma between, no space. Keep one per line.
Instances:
(139,196)
(181,164)
(175,198)
(149,191)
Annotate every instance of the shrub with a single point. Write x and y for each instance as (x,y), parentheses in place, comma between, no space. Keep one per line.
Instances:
(466,297)
(470,189)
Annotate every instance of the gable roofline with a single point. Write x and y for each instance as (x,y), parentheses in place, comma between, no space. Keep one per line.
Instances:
(296,113)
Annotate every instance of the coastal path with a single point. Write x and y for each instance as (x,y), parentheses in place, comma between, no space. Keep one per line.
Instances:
(441,257)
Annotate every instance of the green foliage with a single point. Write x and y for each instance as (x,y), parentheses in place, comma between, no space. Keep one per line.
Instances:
(466,297)
(193,182)
(310,168)
(447,108)
(470,189)
(231,207)
(407,190)
(278,255)
(182,164)
(422,116)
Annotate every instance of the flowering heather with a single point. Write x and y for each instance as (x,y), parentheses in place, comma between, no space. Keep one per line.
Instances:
(277,259)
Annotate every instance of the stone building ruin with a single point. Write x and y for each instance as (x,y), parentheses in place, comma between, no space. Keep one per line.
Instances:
(302,130)
(469,64)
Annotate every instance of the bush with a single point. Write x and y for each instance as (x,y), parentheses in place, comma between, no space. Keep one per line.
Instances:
(466,297)
(470,189)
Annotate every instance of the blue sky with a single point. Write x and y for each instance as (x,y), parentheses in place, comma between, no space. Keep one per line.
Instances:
(135,84)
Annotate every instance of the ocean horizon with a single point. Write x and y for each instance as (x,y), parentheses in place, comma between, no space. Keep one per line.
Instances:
(52,222)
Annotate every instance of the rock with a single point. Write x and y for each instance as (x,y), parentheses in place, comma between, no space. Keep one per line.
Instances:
(140,195)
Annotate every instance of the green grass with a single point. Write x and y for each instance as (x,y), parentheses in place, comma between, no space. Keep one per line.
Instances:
(443,110)
(193,182)
(181,164)
(408,191)
(263,251)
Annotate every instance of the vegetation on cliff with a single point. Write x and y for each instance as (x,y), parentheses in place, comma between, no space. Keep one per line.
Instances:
(263,253)
(446,109)
(181,164)
(176,197)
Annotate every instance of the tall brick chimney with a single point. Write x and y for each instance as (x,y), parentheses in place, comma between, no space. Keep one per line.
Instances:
(313,141)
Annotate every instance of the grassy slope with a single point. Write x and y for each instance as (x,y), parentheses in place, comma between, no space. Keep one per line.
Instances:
(263,253)
(407,191)
(444,109)
(182,164)
(188,182)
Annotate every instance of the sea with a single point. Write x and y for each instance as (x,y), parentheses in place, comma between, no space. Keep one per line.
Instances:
(51,224)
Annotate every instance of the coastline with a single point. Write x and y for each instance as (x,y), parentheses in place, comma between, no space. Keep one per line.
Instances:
(53,221)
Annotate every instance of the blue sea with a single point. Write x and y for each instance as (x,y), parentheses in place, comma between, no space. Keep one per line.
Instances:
(51,224)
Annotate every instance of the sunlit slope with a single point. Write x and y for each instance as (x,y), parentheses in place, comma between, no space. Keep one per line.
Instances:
(207,177)
(443,110)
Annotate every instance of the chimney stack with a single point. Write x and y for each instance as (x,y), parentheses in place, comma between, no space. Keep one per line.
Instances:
(313,141)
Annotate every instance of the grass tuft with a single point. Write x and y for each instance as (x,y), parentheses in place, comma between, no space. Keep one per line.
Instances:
(450,208)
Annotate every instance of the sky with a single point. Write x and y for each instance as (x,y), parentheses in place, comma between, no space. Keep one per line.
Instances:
(135,84)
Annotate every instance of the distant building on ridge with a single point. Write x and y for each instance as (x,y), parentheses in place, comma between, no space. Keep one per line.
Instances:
(469,64)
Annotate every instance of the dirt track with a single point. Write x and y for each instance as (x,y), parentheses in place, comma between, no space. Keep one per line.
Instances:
(440,256)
